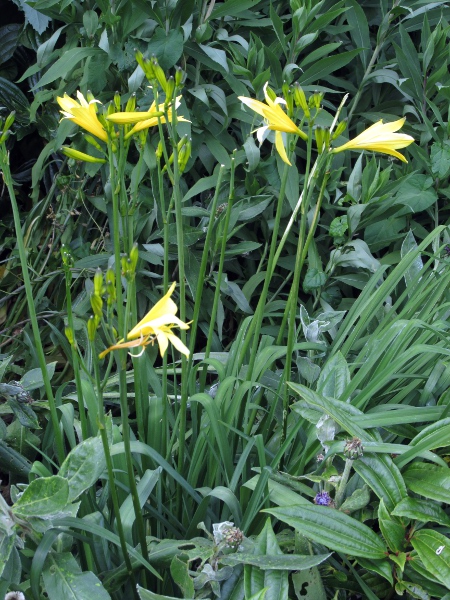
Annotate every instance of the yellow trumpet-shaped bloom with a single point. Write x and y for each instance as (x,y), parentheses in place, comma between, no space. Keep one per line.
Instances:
(157,326)
(146,119)
(380,137)
(82,113)
(276,120)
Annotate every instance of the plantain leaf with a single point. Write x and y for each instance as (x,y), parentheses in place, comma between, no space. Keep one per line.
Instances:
(434,551)
(421,510)
(333,529)
(431,481)
(383,476)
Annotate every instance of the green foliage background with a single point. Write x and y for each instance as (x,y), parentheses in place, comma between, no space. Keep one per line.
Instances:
(371,353)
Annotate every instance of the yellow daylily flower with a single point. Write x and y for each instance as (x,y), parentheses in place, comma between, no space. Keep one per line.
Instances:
(157,326)
(146,119)
(380,137)
(276,119)
(83,113)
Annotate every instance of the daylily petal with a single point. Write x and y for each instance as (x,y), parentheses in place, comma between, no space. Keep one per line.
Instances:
(157,323)
(279,144)
(261,133)
(178,344)
(163,342)
(380,137)
(82,113)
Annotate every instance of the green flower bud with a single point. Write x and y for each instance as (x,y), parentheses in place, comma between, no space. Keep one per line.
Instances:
(159,73)
(300,100)
(179,76)
(97,305)
(319,134)
(134,255)
(77,155)
(170,87)
(290,102)
(111,286)
(117,101)
(98,282)
(69,335)
(342,126)
(159,150)
(66,256)
(93,142)
(315,100)
(131,104)
(184,156)
(92,325)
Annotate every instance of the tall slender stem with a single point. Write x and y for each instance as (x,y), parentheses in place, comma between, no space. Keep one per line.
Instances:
(4,165)
(110,470)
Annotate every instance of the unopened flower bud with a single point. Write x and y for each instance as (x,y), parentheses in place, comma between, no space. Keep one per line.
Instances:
(98,282)
(93,142)
(131,104)
(290,101)
(134,255)
(77,155)
(319,133)
(159,73)
(69,335)
(315,100)
(184,155)
(117,101)
(159,150)
(111,286)
(92,325)
(179,76)
(97,305)
(66,256)
(342,126)
(170,87)
(300,100)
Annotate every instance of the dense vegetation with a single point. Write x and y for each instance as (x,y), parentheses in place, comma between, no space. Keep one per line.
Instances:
(224,361)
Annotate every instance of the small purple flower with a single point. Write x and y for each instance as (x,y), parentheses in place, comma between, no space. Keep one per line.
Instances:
(323,499)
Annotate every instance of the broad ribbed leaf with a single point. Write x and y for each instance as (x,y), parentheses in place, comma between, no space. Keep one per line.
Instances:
(421,510)
(333,529)
(392,530)
(283,562)
(382,475)
(428,480)
(343,413)
(434,551)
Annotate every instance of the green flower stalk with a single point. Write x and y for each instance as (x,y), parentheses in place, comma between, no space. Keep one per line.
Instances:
(7,178)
